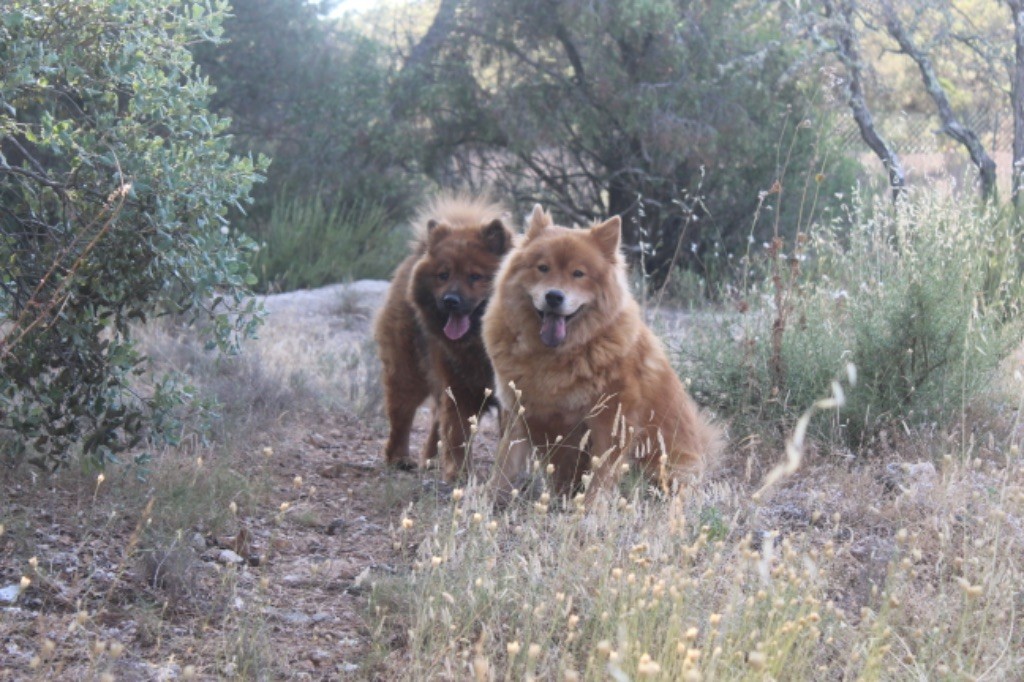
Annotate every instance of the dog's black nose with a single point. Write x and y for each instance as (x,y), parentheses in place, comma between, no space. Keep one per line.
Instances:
(451,301)
(554,298)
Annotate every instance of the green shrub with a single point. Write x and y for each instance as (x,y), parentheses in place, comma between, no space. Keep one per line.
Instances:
(309,243)
(922,298)
(115,181)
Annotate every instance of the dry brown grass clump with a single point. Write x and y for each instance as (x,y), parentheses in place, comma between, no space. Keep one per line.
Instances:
(895,569)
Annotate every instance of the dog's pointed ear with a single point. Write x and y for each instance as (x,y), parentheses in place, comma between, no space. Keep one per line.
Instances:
(539,220)
(496,237)
(436,232)
(608,236)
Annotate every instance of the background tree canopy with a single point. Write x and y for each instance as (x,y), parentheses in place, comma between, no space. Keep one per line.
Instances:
(674,114)
(691,118)
(630,108)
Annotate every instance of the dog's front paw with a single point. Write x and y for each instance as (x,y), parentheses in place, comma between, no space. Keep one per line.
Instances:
(402,465)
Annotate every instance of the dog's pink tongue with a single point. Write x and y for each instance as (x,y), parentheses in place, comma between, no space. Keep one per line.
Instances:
(552,330)
(457,326)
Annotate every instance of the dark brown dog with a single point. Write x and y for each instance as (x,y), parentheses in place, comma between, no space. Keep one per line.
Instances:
(429,329)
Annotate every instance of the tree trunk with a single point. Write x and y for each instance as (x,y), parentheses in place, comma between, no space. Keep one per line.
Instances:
(848,52)
(418,70)
(1017,102)
(950,124)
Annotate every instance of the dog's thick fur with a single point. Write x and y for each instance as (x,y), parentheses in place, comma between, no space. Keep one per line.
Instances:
(586,370)
(428,331)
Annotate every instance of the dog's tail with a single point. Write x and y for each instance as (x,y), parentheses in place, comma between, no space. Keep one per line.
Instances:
(455,209)
(710,438)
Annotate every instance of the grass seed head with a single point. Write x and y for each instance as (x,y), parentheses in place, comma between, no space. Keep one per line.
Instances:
(481,668)
(648,667)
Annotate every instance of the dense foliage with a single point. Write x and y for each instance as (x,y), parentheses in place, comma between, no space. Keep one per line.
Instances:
(115,181)
(314,95)
(669,112)
(922,298)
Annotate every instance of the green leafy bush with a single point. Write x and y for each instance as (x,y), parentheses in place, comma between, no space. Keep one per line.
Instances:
(922,298)
(309,243)
(115,181)
(313,93)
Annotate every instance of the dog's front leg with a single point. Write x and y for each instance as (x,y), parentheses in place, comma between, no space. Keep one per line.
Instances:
(606,451)
(454,410)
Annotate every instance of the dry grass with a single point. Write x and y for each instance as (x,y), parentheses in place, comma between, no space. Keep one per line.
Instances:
(900,566)
(125,571)
(902,562)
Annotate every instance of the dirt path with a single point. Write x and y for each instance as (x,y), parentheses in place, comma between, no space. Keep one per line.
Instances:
(294,604)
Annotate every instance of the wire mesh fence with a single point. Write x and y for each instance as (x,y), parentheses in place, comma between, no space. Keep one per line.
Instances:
(917,133)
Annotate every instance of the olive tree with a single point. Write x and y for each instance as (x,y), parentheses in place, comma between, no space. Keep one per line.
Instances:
(675,114)
(115,184)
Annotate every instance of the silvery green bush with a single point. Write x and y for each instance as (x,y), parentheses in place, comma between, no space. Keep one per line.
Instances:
(115,186)
(922,298)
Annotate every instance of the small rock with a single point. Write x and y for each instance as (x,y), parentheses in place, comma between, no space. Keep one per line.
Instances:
(165,673)
(226,556)
(363,577)
(349,667)
(316,440)
(320,617)
(197,542)
(10,593)
(922,475)
(281,545)
(332,471)
(290,617)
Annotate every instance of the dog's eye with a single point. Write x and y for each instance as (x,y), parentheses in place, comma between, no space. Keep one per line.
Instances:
(443,276)
(577,274)
(543,268)
(475,277)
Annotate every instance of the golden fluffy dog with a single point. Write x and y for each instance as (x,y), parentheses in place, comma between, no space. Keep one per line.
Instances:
(580,375)
(428,331)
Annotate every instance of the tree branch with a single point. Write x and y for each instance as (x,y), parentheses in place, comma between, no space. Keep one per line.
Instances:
(950,124)
(848,51)
(1017,101)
